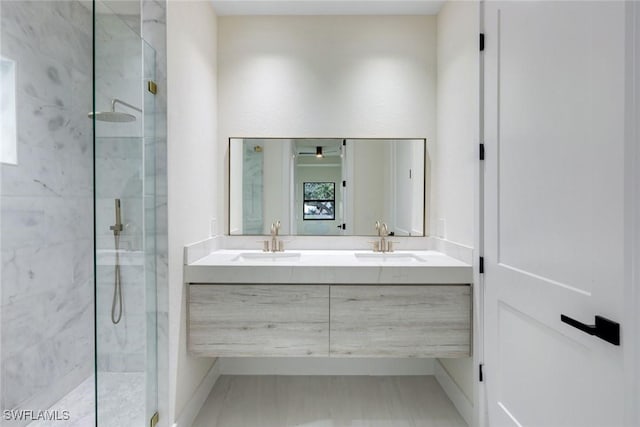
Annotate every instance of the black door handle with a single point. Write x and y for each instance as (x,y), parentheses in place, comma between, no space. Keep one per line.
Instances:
(604,328)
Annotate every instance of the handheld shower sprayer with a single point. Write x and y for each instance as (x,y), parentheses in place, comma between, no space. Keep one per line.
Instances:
(117,285)
(117,227)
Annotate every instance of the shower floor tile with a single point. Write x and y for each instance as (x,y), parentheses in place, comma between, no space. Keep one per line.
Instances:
(80,404)
(121,400)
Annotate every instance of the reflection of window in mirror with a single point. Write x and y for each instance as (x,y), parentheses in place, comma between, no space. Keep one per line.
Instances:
(8,136)
(319,201)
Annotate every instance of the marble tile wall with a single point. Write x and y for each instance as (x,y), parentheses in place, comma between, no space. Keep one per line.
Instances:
(46,207)
(119,65)
(119,175)
(252,190)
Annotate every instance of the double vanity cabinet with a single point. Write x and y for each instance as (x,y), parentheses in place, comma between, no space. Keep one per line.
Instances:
(329,303)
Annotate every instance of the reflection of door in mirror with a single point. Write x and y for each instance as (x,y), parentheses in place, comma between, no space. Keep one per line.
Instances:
(276,181)
(371,196)
(402,191)
(407,183)
(387,179)
(318,177)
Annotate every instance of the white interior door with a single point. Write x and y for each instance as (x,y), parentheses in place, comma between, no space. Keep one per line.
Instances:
(348,199)
(554,79)
(403,204)
(343,207)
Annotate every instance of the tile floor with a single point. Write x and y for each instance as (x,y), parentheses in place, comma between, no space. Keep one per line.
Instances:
(328,401)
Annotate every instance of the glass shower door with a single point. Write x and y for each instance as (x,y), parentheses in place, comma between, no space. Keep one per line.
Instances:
(150,252)
(126,346)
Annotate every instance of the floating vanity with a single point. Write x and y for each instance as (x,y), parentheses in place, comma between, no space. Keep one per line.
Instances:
(340,303)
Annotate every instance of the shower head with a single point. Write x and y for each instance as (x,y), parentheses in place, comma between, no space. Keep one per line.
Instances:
(114,116)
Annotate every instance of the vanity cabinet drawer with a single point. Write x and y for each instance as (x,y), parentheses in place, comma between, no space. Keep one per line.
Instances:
(258,320)
(400,321)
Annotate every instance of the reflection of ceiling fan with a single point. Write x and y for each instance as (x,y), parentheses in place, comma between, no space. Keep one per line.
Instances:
(320,152)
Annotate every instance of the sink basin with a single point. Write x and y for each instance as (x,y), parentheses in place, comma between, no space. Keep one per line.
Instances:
(388,257)
(267,257)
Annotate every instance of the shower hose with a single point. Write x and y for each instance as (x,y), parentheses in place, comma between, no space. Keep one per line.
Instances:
(117,285)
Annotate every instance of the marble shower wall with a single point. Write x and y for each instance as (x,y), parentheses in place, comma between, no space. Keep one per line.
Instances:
(46,207)
(120,172)
(252,190)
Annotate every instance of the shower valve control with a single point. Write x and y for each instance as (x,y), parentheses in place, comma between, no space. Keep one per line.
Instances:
(116,227)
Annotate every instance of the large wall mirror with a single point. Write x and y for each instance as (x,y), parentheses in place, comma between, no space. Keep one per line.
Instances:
(324,187)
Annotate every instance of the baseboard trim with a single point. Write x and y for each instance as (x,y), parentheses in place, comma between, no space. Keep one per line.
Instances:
(193,407)
(453,391)
(324,366)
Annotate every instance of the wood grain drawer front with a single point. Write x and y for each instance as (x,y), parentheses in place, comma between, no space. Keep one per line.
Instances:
(400,321)
(258,320)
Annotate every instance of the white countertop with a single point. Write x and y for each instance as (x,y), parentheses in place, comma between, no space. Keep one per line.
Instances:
(328,267)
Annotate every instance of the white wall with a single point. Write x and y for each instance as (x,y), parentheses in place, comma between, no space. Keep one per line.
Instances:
(192,170)
(326,76)
(455,155)
(455,158)
(236,165)
(420,188)
(276,179)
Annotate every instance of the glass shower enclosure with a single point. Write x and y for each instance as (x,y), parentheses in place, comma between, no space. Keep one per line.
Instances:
(125,223)
(78,201)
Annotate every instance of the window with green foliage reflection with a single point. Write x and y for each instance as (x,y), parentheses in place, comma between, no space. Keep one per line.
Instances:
(319,201)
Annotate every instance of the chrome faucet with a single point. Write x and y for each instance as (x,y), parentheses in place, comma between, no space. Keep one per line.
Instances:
(384,232)
(276,244)
(382,244)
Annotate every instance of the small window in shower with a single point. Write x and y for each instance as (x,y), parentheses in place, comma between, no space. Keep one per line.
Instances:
(8,137)
(319,201)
